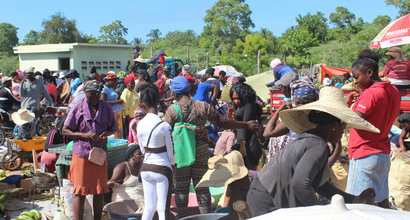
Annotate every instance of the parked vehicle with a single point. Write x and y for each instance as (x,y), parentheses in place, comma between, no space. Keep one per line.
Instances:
(176,67)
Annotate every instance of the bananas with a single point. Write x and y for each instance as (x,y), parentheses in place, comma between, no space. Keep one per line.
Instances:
(30,215)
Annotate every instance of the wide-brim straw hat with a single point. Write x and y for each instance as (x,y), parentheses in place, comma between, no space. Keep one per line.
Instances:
(223,170)
(331,101)
(140,59)
(22,116)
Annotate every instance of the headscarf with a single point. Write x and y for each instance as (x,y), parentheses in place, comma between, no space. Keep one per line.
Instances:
(93,86)
(275,62)
(128,79)
(180,85)
(111,76)
(122,74)
(130,151)
(21,74)
(139,111)
(232,80)
(310,91)
(144,74)
(93,69)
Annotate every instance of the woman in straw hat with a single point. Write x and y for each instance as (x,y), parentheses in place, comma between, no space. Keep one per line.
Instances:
(89,123)
(292,178)
(379,104)
(397,69)
(229,171)
(197,113)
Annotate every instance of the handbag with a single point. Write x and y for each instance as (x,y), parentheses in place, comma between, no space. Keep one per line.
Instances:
(184,140)
(97,155)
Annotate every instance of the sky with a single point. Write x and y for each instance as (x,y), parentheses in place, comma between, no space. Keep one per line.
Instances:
(142,16)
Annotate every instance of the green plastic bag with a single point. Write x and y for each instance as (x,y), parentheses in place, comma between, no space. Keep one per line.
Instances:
(184,141)
(70,145)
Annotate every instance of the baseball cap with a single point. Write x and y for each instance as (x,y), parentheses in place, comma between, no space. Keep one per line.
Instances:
(287,79)
(29,70)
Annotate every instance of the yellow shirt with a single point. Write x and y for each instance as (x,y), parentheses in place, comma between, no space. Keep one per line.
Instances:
(131,102)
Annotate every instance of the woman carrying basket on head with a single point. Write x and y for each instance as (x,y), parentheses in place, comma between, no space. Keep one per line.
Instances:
(196,113)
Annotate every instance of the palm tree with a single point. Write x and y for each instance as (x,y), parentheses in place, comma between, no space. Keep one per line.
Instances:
(154,35)
(137,41)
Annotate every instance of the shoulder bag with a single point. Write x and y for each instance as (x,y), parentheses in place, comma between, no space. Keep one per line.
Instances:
(184,140)
(97,155)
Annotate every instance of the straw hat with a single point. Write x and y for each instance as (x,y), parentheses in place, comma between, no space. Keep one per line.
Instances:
(396,53)
(224,170)
(22,116)
(332,101)
(140,59)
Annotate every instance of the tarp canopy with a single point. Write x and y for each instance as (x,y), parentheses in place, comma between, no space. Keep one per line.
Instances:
(333,71)
(258,83)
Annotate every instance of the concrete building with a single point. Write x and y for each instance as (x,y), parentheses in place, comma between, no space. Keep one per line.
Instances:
(79,56)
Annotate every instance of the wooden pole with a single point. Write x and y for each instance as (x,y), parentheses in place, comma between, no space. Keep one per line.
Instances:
(207,60)
(152,52)
(197,64)
(187,55)
(259,62)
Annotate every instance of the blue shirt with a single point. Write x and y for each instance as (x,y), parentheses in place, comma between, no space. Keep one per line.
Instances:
(279,72)
(202,92)
(58,81)
(74,85)
(111,97)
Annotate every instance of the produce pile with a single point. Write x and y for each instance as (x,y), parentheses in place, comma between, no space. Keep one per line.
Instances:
(29,215)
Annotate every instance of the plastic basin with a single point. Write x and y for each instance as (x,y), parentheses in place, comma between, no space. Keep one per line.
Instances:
(123,209)
(216,193)
(207,216)
(193,208)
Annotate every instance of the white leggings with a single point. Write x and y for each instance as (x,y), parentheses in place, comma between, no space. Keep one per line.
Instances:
(156,188)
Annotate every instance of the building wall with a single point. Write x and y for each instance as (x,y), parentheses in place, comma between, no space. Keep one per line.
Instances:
(42,60)
(104,58)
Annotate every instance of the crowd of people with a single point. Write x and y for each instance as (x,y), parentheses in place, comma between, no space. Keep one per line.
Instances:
(207,130)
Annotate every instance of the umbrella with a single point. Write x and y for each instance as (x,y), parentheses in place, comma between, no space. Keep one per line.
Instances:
(258,82)
(336,210)
(394,34)
(229,70)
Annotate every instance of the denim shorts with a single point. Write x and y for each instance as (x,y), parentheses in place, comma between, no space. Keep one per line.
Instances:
(369,172)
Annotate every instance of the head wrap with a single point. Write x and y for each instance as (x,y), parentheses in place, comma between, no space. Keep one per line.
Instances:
(275,62)
(232,80)
(93,69)
(312,91)
(130,151)
(144,74)
(111,76)
(180,85)
(93,86)
(128,79)
(139,111)
(21,74)
(190,78)
(137,47)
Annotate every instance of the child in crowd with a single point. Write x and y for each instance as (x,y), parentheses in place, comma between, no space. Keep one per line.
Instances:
(404,121)
(24,129)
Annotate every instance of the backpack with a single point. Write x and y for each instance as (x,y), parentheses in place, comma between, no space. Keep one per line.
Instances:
(160,84)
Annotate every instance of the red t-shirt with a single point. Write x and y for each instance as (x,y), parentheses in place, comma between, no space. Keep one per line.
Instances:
(381,103)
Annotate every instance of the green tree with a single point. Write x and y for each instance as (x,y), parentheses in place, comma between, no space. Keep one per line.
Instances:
(32,38)
(90,39)
(59,29)
(8,38)
(113,33)
(315,24)
(345,23)
(248,52)
(154,35)
(9,64)
(224,23)
(137,41)
(402,5)
(182,38)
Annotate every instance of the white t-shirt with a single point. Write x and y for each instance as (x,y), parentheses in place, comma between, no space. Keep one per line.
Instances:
(327,82)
